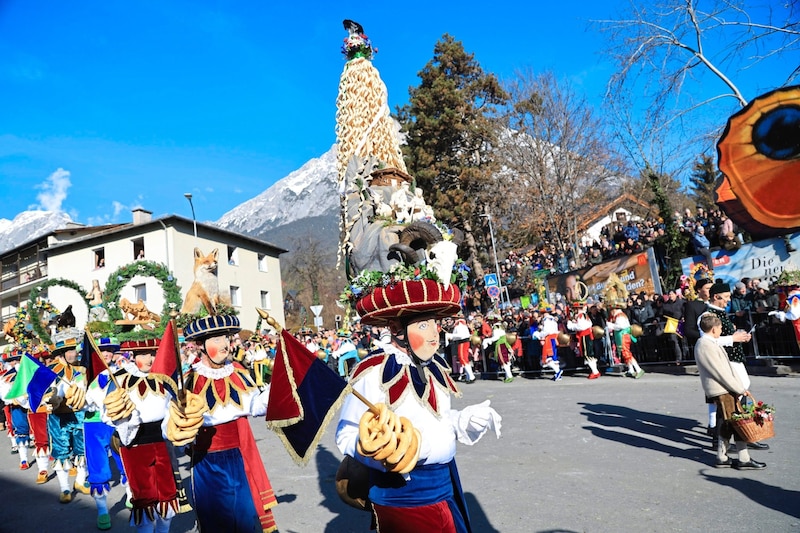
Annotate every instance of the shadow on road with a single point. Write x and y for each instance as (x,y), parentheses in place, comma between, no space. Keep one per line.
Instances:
(775,498)
(648,427)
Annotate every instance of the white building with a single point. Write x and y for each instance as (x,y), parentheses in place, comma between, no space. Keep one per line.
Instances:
(248,268)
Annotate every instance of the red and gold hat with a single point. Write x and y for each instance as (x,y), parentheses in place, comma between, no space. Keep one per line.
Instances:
(140,345)
(408,299)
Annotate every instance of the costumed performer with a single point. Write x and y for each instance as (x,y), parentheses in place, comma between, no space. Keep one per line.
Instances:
(791,312)
(98,436)
(137,410)
(65,422)
(460,337)
(503,349)
(413,479)
(18,411)
(38,422)
(346,351)
(226,464)
(581,324)
(548,336)
(616,296)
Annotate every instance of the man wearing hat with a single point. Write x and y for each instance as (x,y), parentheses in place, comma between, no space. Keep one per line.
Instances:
(414,487)
(65,423)
(732,340)
(226,465)
(460,336)
(137,410)
(97,435)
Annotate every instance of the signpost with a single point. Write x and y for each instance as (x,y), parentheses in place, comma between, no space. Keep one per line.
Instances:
(491,280)
(317,309)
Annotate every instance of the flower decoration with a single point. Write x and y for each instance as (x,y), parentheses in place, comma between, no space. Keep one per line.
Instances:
(759,411)
(356,46)
(367,281)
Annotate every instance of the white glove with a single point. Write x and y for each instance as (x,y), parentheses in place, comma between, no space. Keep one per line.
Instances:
(780,314)
(475,420)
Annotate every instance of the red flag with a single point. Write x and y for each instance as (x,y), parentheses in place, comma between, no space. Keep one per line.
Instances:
(91,359)
(167,357)
(303,396)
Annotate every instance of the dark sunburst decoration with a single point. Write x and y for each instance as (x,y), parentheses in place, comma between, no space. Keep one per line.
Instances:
(759,156)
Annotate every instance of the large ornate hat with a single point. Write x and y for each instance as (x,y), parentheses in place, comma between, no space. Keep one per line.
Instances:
(143,345)
(211,326)
(408,299)
(66,339)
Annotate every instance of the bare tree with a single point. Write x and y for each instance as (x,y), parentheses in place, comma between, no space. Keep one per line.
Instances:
(558,163)
(675,57)
(310,269)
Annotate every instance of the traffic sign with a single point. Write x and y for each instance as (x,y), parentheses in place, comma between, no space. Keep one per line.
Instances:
(490,280)
(493,291)
(316,309)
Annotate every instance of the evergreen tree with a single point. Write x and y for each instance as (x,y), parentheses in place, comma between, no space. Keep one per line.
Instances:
(703,180)
(450,128)
(674,241)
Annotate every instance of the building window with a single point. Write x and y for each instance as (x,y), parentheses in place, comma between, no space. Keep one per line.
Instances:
(262,263)
(233,255)
(140,292)
(99,257)
(235,296)
(265,300)
(138,248)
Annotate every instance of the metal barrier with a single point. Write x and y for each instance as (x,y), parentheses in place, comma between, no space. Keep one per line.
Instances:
(771,339)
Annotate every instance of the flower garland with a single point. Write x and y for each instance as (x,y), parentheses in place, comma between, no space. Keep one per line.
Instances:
(35,303)
(119,279)
(368,280)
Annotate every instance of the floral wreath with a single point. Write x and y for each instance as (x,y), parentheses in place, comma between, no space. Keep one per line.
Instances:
(368,280)
(119,279)
(37,303)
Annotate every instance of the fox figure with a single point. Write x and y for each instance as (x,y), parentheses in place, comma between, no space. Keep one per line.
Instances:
(205,289)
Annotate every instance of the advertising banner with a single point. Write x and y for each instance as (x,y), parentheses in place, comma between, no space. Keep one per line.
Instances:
(638,272)
(764,260)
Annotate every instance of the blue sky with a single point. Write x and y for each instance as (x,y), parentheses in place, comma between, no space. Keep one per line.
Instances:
(105,106)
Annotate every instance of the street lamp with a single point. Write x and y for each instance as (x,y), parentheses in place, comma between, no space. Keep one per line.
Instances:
(188,196)
(494,251)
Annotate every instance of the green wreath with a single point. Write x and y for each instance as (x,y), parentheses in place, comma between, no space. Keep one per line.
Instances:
(117,281)
(35,303)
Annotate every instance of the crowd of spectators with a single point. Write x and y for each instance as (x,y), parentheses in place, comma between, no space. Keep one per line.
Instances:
(704,231)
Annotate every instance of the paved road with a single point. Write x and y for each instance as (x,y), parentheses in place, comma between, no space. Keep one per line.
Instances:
(608,455)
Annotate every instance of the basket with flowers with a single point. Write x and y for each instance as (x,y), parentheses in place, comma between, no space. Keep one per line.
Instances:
(753,421)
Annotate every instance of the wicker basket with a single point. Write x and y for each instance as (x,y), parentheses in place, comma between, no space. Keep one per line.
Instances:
(752,432)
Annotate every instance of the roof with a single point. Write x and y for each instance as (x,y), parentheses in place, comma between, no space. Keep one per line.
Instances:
(121,230)
(607,209)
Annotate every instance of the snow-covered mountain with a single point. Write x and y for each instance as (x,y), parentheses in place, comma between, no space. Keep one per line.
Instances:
(304,201)
(29,225)
(303,204)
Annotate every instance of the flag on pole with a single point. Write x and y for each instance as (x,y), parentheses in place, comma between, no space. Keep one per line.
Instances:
(167,356)
(303,397)
(33,379)
(91,359)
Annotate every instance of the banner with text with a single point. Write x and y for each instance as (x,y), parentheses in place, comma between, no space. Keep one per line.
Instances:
(764,260)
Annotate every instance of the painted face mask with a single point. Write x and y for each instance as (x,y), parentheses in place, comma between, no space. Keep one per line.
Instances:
(423,338)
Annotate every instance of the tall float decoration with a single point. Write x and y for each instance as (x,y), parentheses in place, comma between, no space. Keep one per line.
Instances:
(388,231)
